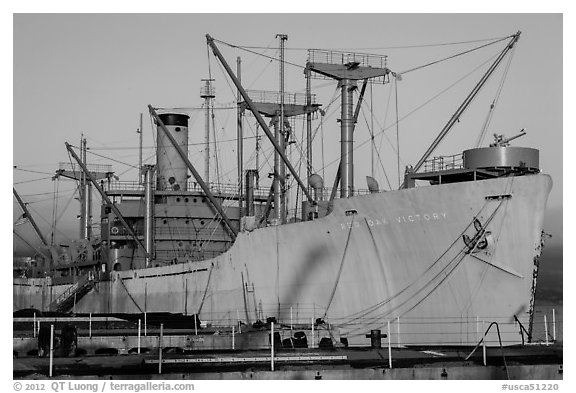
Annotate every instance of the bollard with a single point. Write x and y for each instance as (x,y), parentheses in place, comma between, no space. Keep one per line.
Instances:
(160,348)
(375,339)
(554,324)
(546,329)
(272,346)
(233,333)
(90,325)
(139,331)
(34,328)
(389,347)
(483,343)
(312,333)
(51,349)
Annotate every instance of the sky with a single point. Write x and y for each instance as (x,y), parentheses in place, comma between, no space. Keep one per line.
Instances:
(93,74)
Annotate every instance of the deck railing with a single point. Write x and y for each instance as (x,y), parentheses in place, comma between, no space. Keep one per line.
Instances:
(443,163)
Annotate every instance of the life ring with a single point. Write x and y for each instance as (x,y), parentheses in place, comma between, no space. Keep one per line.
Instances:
(114,230)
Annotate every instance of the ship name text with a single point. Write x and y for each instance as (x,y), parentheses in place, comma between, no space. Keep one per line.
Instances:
(404,219)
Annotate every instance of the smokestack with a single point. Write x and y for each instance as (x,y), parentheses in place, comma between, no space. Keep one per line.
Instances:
(172,172)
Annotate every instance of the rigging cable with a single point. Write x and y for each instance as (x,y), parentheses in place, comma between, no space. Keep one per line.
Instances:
(495,101)
(377,152)
(340,268)
(391,47)
(453,56)
(446,270)
(397,130)
(374,307)
(383,130)
(54,208)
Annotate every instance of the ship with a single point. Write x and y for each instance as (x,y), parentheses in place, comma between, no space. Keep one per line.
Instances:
(455,248)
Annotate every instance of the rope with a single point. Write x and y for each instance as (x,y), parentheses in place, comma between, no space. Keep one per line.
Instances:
(495,101)
(205,290)
(129,295)
(372,308)
(453,56)
(397,129)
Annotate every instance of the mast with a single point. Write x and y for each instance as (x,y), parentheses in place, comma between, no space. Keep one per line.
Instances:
(208,94)
(347,69)
(85,198)
(140,169)
(456,116)
(258,117)
(280,135)
(308,128)
(355,120)
(240,144)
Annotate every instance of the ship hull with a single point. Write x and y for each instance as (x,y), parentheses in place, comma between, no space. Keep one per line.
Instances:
(397,260)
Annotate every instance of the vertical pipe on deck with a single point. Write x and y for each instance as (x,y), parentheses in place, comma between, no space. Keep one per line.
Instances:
(51,349)
(272,346)
(233,337)
(251,175)
(139,334)
(554,324)
(34,326)
(90,325)
(398,331)
(546,329)
(279,175)
(312,324)
(149,213)
(389,347)
(238,321)
(484,342)
(160,344)
(291,323)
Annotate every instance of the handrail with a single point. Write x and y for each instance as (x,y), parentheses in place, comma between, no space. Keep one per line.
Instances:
(501,347)
(522,330)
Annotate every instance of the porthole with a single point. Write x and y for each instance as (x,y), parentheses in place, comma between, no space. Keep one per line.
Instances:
(177,199)
(187,222)
(202,222)
(186,200)
(177,129)
(165,221)
(195,200)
